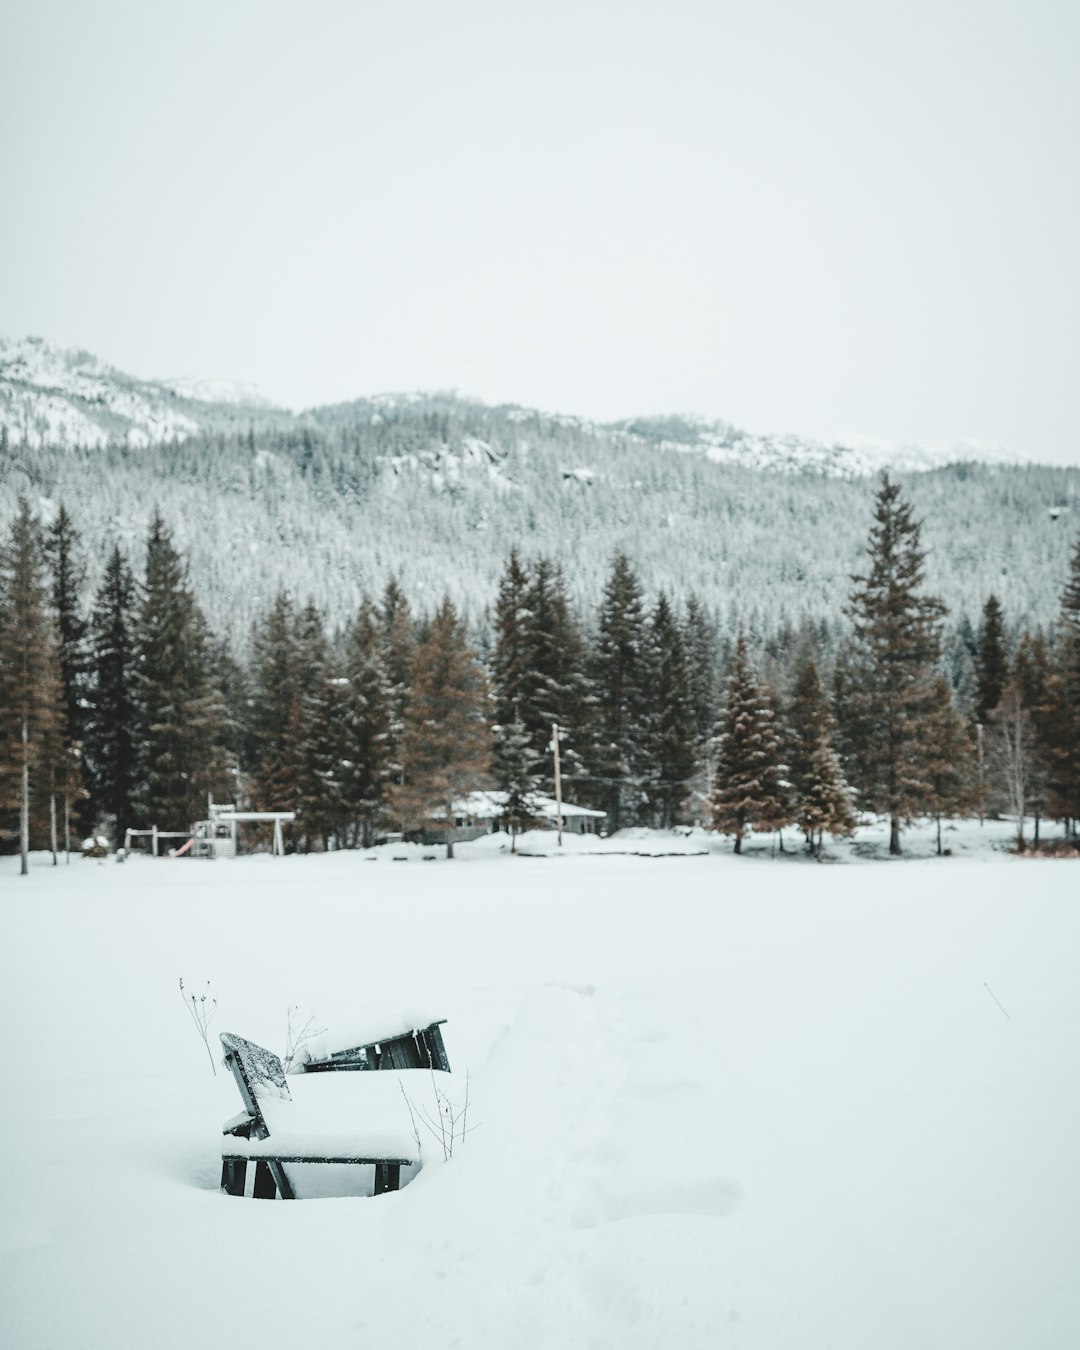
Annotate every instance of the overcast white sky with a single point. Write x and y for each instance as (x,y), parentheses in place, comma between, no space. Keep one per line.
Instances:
(831,217)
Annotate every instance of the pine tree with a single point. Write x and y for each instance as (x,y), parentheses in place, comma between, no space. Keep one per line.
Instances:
(1061,717)
(1014,757)
(446,741)
(312,727)
(111,717)
(276,708)
(1030,674)
(620,677)
(510,666)
(748,787)
(367,738)
(821,799)
(237,743)
(949,760)
(538,666)
(179,709)
(554,687)
(31,693)
(699,640)
(68,578)
(672,727)
(1063,720)
(515,767)
(897,644)
(322,808)
(398,650)
(992,664)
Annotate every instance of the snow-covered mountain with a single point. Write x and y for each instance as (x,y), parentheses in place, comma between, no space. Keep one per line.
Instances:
(851,457)
(435,490)
(64,396)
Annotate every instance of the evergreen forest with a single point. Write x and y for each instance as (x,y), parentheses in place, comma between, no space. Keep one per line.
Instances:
(124,704)
(325,508)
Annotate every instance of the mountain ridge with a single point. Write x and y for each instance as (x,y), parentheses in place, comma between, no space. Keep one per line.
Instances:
(66,396)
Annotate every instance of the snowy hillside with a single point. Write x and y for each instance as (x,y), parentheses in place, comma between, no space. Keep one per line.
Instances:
(853,457)
(68,397)
(63,396)
(328,504)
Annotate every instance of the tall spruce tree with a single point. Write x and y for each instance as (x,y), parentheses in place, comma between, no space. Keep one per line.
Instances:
(317,725)
(276,708)
(68,581)
(949,757)
(31,692)
(398,650)
(620,671)
(368,729)
(515,769)
(537,667)
(111,717)
(699,640)
(510,664)
(179,708)
(1030,674)
(672,727)
(1061,716)
(992,663)
(446,743)
(554,684)
(893,666)
(748,789)
(821,802)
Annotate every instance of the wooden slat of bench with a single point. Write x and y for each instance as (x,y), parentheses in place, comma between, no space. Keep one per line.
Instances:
(228,1156)
(422,1048)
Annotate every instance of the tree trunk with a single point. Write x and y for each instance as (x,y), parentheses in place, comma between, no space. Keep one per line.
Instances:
(52,827)
(894,836)
(738,843)
(24,807)
(939,836)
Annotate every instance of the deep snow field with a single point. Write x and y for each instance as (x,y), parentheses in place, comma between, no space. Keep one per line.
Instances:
(719,1102)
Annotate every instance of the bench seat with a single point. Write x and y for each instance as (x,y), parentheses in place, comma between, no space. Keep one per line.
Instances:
(353,1118)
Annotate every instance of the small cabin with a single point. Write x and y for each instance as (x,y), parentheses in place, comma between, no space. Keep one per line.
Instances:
(482,812)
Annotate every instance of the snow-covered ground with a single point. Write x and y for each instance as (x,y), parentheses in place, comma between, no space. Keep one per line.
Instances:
(720,1102)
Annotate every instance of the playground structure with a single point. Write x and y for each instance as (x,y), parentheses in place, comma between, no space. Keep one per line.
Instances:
(215,837)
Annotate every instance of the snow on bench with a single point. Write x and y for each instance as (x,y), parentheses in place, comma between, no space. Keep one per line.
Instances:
(408,1040)
(327,1118)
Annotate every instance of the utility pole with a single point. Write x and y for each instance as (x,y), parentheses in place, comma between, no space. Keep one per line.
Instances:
(558,780)
(24,804)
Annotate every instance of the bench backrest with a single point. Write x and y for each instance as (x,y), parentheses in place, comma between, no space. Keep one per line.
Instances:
(420,1049)
(258,1073)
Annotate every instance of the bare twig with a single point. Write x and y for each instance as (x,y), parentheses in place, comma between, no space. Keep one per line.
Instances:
(202,1008)
(297,1035)
(444,1122)
(412,1117)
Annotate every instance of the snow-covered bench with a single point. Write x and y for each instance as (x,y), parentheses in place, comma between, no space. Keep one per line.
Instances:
(396,1041)
(352,1118)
